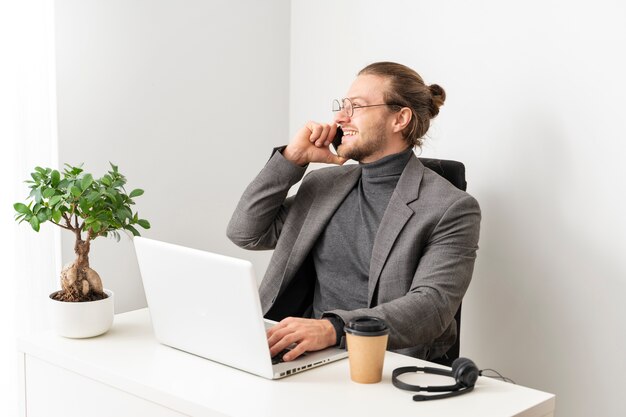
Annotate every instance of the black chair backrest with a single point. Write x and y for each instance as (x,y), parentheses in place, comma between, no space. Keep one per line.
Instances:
(454,172)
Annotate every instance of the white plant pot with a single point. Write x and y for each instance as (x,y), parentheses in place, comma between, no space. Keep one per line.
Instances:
(82,320)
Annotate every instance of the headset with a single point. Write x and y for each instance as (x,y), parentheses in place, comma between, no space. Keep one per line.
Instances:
(464,372)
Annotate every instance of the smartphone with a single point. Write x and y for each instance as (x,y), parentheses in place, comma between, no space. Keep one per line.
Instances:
(337,138)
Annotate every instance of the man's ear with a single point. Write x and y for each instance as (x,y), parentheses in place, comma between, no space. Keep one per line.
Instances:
(402,119)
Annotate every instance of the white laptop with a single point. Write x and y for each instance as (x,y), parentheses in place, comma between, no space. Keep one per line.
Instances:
(208,305)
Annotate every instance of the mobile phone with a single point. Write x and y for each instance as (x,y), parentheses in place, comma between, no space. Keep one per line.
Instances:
(337,139)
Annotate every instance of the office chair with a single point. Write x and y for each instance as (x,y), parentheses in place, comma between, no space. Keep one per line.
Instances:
(454,172)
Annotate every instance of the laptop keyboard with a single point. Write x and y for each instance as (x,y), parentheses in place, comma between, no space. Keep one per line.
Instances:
(279,357)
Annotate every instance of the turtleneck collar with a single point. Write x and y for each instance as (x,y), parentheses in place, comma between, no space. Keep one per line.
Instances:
(390,165)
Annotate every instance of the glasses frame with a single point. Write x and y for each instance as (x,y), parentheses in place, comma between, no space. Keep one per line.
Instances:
(341,106)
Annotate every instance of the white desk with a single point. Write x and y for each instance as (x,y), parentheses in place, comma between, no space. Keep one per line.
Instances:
(126,372)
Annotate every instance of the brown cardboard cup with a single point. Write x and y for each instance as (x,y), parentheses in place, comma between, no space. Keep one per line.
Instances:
(367,341)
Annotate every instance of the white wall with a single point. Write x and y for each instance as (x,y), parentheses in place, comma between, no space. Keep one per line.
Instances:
(188,98)
(535,111)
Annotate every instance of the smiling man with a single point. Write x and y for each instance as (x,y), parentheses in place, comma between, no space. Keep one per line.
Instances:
(387,238)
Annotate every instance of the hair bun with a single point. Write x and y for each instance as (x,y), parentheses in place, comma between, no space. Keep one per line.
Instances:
(438,98)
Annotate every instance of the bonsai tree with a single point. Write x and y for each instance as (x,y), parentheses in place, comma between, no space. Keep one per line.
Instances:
(88,208)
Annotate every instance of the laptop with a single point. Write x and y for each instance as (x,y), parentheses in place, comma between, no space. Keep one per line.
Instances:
(208,305)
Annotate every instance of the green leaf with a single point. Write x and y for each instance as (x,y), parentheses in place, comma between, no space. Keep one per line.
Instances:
(74,171)
(21,208)
(55,177)
(144,223)
(115,224)
(104,219)
(54,200)
(136,193)
(56,216)
(110,196)
(84,204)
(34,222)
(132,229)
(48,192)
(37,195)
(106,180)
(95,226)
(118,184)
(87,181)
(40,170)
(122,214)
(75,191)
(93,196)
(42,216)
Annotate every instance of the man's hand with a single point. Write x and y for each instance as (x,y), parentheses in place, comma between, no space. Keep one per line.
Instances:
(311,144)
(307,334)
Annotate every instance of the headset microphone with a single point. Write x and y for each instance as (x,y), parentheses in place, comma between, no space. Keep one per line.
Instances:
(464,372)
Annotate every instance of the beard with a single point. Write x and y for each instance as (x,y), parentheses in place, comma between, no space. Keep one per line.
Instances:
(366,146)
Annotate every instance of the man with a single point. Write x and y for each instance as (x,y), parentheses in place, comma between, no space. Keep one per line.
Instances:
(386,238)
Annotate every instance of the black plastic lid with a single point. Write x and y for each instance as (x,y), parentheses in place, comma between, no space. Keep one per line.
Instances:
(367,326)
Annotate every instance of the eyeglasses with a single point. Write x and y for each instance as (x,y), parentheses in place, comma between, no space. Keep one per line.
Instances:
(349,107)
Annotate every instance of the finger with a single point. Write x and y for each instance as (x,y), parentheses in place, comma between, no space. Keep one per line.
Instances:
(323,139)
(310,125)
(283,343)
(287,321)
(295,352)
(316,131)
(331,134)
(334,159)
(277,336)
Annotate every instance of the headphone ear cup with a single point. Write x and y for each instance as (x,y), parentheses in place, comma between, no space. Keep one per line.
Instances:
(465,372)
(456,364)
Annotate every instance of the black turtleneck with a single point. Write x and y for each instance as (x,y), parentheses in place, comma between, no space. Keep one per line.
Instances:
(343,251)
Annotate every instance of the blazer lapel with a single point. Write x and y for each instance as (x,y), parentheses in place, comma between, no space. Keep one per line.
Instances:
(396,216)
(322,208)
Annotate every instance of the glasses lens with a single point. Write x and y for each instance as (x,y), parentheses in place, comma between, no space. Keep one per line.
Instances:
(347,105)
(336,105)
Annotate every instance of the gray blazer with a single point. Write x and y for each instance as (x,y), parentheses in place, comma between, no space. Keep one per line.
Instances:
(422,259)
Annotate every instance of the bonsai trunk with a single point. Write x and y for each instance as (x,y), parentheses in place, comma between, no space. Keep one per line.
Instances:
(78,281)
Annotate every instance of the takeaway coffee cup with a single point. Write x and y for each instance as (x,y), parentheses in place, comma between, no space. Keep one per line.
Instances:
(367,341)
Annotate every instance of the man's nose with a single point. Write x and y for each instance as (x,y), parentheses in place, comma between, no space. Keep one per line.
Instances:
(341,117)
